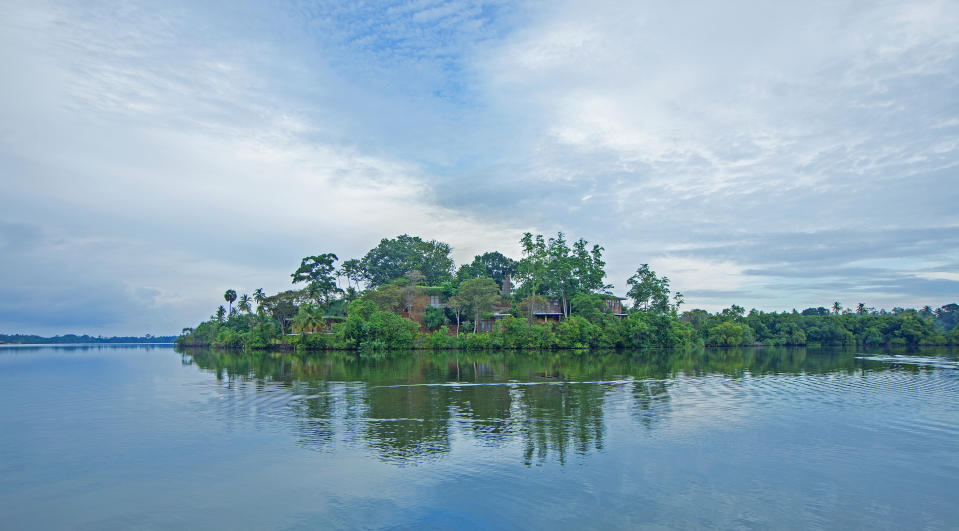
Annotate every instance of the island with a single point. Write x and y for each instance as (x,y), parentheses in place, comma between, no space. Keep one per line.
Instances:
(407,293)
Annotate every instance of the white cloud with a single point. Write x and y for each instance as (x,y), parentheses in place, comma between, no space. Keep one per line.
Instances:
(725,144)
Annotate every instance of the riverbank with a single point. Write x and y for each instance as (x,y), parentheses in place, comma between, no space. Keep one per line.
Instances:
(382,330)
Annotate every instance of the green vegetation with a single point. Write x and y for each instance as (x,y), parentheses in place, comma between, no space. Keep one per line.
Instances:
(404,294)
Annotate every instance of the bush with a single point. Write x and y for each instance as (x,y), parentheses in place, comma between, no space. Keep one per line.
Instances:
(434,317)
(441,339)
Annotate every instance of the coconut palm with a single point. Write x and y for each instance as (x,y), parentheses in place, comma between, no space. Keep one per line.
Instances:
(836,307)
(307,320)
(244,304)
(861,309)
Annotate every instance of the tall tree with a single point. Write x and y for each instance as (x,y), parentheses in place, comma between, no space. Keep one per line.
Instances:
(836,307)
(647,291)
(478,294)
(319,274)
(531,269)
(282,306)
(861,309)
(393,258)
(456,304)
(220,313)
(353,271)
(244,304)
(493,264)
(552,267)
(230,296)
(259,296)
(678,300)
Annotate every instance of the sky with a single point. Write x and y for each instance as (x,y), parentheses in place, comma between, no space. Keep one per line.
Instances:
(774,155)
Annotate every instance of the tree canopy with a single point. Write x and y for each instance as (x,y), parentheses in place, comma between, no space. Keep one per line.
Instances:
(394,258)
(494,265)
(319,274)
(648,292)
(478,294)
(404,288)
(551,267)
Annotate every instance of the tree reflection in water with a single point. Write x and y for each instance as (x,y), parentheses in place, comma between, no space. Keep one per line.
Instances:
(409,406)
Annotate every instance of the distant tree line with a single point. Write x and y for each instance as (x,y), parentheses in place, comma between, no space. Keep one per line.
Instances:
(24,339)
(369,303)
(836,326)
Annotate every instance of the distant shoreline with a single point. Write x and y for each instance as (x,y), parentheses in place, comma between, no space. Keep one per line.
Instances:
(85,339)
(89,343)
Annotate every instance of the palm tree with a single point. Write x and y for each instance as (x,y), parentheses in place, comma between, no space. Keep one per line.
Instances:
(230,296)
(861,309)
(220,313)
(244,304)
(307,320)
(259,296)
(836,307)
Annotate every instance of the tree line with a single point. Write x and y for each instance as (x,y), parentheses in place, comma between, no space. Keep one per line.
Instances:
(375,302)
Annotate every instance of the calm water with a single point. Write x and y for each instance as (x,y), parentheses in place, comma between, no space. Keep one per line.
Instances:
(148,438)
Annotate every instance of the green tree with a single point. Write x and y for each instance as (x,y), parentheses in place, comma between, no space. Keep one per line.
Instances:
(353,271)
(230,296)
(393,258)
(389,297)
(531,269)
(478,294)
(648,292)
(350,294)
(220,313)
(493,264)
(836,307)
(861,309)
(678,300)
(434,318)
(369,327)
(282,306)
(308,319)
(455,304)
(590,306)
(244,304)
(552,267)
(259,296)
(319,274)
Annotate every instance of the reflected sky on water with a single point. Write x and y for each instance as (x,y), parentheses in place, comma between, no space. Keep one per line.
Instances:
(106,437)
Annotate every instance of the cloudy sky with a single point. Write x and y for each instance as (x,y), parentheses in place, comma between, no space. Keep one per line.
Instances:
(768,154)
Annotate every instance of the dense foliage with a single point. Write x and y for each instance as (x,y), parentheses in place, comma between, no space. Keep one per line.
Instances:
(383,308)
(733,327)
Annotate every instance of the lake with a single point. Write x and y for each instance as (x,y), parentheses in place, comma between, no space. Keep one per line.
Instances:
(144,437)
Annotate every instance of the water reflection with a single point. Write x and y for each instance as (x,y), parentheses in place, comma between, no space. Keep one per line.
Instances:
(407,408)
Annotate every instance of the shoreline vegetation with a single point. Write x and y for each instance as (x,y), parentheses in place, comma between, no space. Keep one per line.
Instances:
(407,294)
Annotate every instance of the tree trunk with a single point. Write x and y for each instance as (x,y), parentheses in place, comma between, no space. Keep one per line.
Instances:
(476,322)
(457,323)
